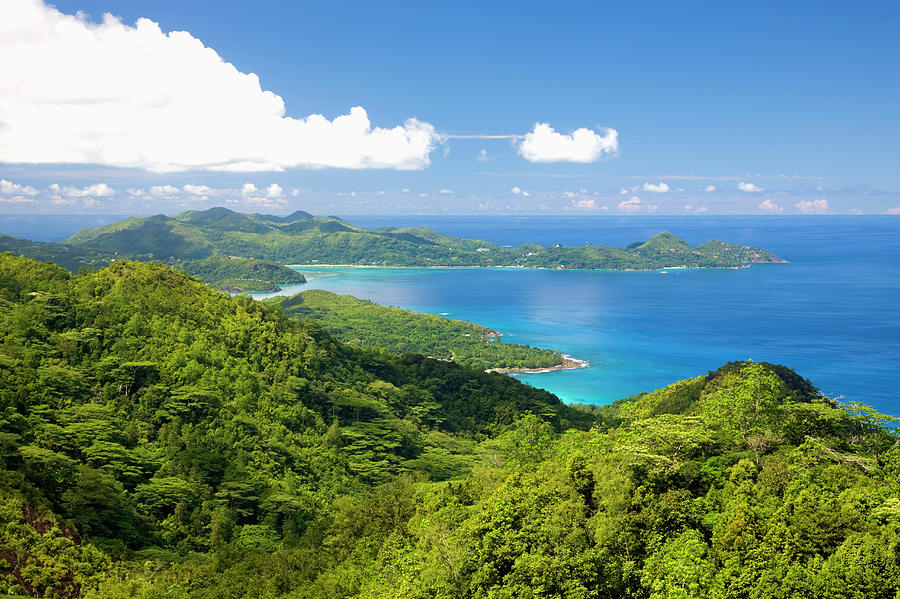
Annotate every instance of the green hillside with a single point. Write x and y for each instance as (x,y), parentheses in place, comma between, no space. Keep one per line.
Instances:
(366,324)
(304,239)
(235,275)
(134,391)
(226,273)
(159,439)
(70,258)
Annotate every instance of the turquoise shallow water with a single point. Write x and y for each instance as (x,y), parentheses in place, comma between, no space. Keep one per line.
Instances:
(831,313)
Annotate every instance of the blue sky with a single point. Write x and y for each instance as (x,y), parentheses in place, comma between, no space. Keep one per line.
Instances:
(780,107)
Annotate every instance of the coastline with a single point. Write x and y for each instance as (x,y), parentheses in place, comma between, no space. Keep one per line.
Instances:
(748,265)
(568,363)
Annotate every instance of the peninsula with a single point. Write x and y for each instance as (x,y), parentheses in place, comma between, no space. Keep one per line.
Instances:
(366,324)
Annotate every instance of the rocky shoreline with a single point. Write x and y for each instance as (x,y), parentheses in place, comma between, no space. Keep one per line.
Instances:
(568,363)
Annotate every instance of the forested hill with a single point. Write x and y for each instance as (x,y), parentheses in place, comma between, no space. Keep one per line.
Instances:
(367,324)
(226,273)
(301,238)
(158,439)
(147,410)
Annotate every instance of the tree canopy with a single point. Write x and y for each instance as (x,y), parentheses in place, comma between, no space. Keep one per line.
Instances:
(366,324)
(159,439)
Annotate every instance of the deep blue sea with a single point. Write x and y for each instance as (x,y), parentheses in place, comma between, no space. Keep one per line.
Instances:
(832,313)
(52,227)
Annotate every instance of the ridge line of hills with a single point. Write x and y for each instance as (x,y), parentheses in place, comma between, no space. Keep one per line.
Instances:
(301,238)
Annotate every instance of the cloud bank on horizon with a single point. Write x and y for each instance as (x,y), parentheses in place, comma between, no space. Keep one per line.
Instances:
(76,92)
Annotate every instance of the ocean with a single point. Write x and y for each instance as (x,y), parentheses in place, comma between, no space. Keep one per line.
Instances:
(832,313)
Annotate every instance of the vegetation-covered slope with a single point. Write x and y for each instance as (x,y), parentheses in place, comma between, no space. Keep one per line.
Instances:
(235,275)
(161,440)
(144,409)
(226,273)
(366,324)
(303,239)
(70,258)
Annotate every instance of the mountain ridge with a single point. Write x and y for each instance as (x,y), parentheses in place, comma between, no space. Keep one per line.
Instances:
(301,238)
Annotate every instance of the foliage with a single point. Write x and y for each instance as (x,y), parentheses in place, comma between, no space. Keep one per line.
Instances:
(236,275)
(226,273)
(146,409)
(159,439)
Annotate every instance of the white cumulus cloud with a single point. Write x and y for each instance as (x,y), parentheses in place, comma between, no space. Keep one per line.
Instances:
(198,190)
(10,188)
(97,190)
(749,187)
(768,205)
(656,187)
(164,191)
(267,202)
(446,191)
(519,191)
(274,190)
(630,205)
(710,188)
(544,144)
(73,91)
(813,206)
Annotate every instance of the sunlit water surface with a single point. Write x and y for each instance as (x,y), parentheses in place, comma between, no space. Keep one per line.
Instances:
(832,313)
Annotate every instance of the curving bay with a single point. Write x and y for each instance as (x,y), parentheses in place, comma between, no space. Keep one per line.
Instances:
(831,313)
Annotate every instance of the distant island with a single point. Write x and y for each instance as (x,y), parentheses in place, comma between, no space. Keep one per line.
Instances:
(366,324)
(304,239)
